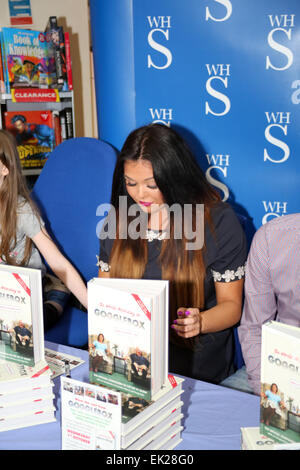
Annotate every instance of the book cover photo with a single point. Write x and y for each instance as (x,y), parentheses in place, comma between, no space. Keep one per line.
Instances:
(34,133)
(119,341)
(280,382)
(16,336)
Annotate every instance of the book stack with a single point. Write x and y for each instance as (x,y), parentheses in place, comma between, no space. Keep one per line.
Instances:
(158,424)
(128,352)
(131,401)
(280,389)
(93,418)
(26,395)
(26,389)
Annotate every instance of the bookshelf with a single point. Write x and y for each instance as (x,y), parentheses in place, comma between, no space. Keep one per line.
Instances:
(37,98)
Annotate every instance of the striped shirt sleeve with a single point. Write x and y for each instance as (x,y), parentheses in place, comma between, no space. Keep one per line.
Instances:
(259,305)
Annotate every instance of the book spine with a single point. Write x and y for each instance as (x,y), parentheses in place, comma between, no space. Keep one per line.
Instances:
(53,31)
(63,126)
(68,61)
(69,123)
(4,62)
(62,48)
(2,83)
(57,127)
(58,65)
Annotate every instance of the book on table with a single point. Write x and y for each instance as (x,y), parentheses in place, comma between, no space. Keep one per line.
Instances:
(252,439)
(26,387)
(92,418)
(128,335)
(280,382)
(26,395)
(21,315)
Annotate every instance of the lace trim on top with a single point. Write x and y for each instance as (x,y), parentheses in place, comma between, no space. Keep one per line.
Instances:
(155,235)
(229,275)
(104,267)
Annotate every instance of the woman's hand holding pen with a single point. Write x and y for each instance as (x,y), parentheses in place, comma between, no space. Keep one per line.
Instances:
(188,322)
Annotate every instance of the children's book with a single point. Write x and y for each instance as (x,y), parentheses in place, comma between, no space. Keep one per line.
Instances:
(128,335)
(34,133)
(21,315)
(25,54)
(280,382)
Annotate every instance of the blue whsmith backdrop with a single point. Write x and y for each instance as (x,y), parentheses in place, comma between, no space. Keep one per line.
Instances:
(225,73)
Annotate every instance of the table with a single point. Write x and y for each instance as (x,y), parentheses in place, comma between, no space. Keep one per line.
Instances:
(213,415)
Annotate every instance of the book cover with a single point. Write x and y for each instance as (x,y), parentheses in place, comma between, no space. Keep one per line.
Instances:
(21,315)
(25,53)
(56,50)
(34,133)
(280,382)
(124,321)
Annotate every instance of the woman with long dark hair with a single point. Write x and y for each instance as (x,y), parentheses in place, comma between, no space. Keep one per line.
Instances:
(157,173)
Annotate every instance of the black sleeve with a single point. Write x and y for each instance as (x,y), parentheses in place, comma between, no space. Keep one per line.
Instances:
(104,254)
(229,245)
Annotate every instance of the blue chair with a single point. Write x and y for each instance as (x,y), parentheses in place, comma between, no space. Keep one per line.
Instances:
(75,180)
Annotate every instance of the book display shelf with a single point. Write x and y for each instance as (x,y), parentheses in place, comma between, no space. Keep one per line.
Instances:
(36,91)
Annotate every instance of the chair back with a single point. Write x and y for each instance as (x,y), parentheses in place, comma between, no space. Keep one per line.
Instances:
(74,182)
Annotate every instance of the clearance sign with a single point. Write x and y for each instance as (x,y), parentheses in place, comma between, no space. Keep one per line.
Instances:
(23,95)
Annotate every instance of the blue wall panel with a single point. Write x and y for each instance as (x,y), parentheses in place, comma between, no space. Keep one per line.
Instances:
(225,73)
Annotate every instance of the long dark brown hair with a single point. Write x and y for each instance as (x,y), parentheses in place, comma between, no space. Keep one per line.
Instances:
(180,180)
(13,193)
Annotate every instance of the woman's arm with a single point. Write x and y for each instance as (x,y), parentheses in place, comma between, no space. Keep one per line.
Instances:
(225,314)
(61,266)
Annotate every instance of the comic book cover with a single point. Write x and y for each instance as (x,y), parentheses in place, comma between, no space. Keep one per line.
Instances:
(34,133)
(26,56)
